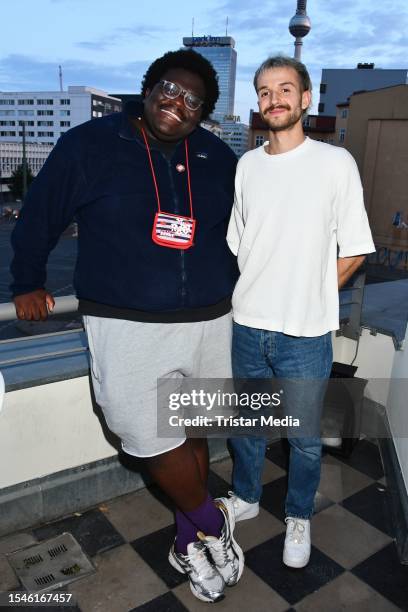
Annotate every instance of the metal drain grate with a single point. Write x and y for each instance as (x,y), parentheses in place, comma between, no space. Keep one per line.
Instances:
(50,564)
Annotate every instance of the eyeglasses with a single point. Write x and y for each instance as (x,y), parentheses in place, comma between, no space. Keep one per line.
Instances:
(173,91)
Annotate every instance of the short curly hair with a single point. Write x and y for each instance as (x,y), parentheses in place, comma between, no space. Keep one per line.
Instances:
(190,60)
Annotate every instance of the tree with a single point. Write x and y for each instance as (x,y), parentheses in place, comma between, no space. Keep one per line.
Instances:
(16,181)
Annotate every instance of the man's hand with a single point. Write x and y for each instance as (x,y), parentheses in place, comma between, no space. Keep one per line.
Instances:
(346,266)
(34,306)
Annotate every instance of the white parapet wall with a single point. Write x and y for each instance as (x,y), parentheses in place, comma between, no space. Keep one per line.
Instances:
(47,429)
(397,408)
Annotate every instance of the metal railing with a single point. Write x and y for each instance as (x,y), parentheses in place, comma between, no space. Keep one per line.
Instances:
(63,305)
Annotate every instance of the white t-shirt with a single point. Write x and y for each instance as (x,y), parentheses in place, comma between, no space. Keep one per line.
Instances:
(291,211)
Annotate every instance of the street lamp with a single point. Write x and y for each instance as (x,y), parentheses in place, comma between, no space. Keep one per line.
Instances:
(24,162)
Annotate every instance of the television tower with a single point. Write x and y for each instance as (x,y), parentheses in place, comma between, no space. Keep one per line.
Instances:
(299,26)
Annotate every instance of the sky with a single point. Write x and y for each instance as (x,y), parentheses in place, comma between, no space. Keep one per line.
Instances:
(109,45)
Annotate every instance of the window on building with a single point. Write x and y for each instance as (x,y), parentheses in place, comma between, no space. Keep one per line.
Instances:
(323,88)
(24,102)
(65,113)
(6,102)
(8,133)
(7,113)
(259,140)
(43,113)
(344,113)
(26,123)
(7,123)
(45,123)
(46,134)
(25,113)
(65,101)
(306,122)
(321,107)
(342,134)
(29,134)
(65,123)
(46,101)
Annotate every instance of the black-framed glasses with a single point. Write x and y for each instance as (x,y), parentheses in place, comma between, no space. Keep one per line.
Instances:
(173,91)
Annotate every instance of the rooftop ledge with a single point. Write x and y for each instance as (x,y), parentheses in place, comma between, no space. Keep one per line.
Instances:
(41,359)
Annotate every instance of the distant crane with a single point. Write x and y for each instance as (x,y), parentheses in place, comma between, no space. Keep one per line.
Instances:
(299,26)
(60,78)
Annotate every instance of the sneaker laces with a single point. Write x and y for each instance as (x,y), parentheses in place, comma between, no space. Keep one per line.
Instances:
(219,550)
(200,563)
(296,530)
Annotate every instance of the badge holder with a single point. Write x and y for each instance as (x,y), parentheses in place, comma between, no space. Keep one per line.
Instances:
(173,231)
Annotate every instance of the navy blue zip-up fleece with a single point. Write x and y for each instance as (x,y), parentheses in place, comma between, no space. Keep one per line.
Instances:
(99,174)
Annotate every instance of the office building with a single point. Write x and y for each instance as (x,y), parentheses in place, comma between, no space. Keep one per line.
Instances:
(235,134)
(219,50)
(48,114)
(338,84)
(11,157)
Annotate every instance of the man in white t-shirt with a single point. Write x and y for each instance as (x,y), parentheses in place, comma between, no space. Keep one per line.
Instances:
(299,229)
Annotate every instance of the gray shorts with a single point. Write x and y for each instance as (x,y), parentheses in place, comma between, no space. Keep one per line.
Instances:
(127,358)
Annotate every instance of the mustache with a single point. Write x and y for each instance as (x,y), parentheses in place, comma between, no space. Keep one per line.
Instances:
(274,107)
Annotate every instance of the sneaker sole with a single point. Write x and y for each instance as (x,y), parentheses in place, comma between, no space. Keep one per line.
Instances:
(241,560)
(173,562)
(295,564)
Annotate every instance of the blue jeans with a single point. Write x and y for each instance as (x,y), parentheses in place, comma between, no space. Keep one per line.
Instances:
(258,353)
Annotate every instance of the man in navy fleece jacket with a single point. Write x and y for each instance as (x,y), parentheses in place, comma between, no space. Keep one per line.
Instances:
(152,194)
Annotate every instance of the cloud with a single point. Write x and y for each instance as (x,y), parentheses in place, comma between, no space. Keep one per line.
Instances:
(124,34)
(23,73)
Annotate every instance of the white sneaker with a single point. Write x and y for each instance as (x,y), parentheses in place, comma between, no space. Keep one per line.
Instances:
(225,552)
(242,510)
(206,583)
(296,552)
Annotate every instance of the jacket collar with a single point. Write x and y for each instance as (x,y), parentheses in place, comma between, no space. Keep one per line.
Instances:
(132,110)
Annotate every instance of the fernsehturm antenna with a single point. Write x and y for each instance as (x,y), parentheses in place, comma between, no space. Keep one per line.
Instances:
(299,26)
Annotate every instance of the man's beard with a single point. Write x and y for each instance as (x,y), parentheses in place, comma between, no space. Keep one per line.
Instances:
(289,123)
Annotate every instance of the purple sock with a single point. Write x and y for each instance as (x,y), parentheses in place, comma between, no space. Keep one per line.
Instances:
(206,518)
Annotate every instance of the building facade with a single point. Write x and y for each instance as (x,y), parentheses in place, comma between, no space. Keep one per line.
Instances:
(219,50)
(11,156)
(48,114)
(341,123)
(235,134)
(377,137)
(338,84)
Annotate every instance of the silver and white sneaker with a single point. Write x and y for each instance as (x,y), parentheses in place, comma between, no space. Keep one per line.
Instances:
(225,551)
(206,583)
(296,552)
(242,510)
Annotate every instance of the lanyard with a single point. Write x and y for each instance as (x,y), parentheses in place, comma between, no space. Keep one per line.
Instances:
(154,174)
